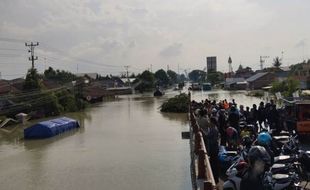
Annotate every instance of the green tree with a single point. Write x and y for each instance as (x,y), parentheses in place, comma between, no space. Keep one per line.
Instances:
(277,62)
(197,76)
(215,77)
(173,76)
(287,87)
(161,77)
(59,75)
(147,81)
(33,80)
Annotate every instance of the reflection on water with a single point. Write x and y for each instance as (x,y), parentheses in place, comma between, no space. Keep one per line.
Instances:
(240,96)
(176,117)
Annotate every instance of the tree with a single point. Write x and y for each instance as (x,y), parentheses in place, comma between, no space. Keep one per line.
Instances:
(161,77)
(277,62)
(240,67)
(287,87)
(60,76)
(197,76)
(32,81)
(215,77)
(173,76)
(147,80)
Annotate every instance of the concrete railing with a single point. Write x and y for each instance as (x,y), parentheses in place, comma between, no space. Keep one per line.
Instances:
(202,173)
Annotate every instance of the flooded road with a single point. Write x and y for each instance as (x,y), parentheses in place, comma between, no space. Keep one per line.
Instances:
(122,144)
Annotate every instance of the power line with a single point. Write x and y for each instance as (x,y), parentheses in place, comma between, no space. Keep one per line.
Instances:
(12,40)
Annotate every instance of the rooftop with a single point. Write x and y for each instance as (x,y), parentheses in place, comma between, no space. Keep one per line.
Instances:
(256,76)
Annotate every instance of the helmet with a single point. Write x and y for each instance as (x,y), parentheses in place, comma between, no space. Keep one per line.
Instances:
(231,132)
(258,153)
(244,133)
(247,141)
(214,110)
(264,139)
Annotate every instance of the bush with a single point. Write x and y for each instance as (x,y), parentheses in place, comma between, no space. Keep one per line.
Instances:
(287,87)
(177,104)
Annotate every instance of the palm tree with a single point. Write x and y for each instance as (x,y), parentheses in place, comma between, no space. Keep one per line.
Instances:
(277,62)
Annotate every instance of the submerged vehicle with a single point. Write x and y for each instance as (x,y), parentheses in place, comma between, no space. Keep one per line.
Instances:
(206,86)
(195,86)
(159,92)
(50,128)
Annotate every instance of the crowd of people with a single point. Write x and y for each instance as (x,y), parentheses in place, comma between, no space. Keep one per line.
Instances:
(221,123)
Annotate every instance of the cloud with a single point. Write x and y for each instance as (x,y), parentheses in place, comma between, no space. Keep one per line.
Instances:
(172,50)
(301,43)
(154,31)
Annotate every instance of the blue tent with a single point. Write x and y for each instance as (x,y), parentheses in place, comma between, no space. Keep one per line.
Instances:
(50,128)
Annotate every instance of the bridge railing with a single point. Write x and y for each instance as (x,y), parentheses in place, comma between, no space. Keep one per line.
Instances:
(202,173)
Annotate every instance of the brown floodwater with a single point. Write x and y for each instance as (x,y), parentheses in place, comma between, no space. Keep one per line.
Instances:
(126,143)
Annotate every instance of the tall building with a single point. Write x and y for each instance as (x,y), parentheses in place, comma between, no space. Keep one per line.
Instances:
(211,64)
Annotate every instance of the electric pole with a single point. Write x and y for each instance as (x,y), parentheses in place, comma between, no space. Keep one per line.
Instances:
(127,67)
(262,61)
(31,51)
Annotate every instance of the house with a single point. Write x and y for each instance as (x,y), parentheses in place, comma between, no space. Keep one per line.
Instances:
(17,84)
(302,74)
(260,80)
(231,84)
(244,72)
(91,76)
(11,86)
(111,82)
(51,84)
(281,75)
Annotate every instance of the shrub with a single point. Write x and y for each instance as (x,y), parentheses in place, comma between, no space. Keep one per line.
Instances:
(177,104)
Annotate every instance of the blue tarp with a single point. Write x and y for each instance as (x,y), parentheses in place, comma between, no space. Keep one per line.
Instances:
(50,128)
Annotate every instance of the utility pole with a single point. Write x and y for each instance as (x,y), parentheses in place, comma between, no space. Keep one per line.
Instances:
(31,51)
(127,67)
(151,68)
(262,61)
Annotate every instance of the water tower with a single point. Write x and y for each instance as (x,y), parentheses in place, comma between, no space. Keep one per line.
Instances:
(230,70)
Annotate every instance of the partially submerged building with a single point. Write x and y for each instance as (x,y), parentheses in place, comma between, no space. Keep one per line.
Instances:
(260,80)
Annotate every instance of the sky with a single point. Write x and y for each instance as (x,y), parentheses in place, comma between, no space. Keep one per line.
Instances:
(104,36)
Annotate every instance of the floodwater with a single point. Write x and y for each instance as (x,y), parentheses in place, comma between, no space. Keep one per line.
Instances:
(125,143)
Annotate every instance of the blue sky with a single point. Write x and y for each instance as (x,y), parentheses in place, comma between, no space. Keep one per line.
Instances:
(105,35)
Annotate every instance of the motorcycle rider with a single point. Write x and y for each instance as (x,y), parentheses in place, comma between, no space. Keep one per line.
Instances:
(259,161)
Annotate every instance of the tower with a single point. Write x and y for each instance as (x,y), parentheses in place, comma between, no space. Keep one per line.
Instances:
(230,69)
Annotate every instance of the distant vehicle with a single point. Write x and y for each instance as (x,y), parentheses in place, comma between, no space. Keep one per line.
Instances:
(195,86)
(206,86)
(159,92)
